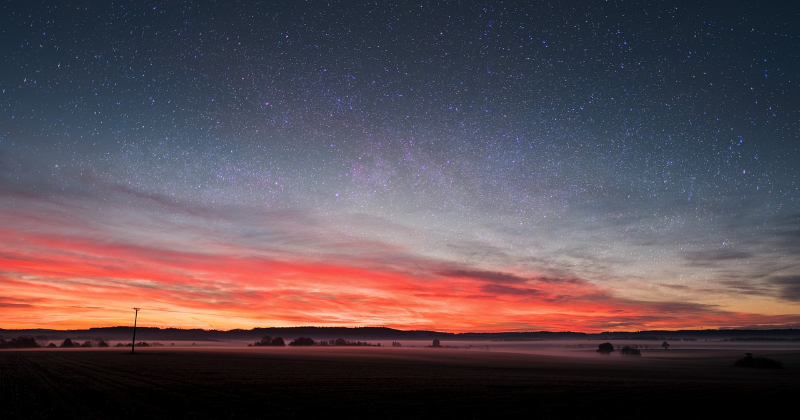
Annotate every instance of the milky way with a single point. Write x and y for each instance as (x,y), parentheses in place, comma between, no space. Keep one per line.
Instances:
(460,166)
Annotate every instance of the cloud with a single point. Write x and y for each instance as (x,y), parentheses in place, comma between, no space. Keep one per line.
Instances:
(747,287)
(85,263)
(560,280)
(13,303)
(788,287)
(787,232)
(499,289)
(714,257)
(477,251)
(488,276)
(683,308)
(160,200)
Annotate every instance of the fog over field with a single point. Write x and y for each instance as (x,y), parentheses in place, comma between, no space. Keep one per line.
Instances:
(546,380)
(401,378)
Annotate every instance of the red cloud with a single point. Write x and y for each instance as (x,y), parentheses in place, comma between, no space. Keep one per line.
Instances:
(73,281)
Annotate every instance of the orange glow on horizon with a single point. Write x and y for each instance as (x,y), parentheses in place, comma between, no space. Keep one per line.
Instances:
(71,283)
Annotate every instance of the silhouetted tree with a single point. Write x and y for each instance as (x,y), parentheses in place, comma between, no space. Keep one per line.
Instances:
(302,341)
(758,362)
(19,343)
(67,343)
(605,348)
(102,343)
(52,346)
(396,344)
(665,345)
(436,343)
(630,351)
(269,341)
(86,343)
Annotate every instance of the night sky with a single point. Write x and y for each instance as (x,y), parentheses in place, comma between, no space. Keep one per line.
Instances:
(455,166)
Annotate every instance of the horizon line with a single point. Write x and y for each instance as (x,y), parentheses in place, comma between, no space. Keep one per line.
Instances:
(741,328)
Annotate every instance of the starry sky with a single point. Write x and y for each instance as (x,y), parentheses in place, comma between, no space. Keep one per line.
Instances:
(454,166)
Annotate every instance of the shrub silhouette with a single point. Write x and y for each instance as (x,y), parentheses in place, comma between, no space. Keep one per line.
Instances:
(265,341)
(68,344)
(665,345)
(758,362)
(302,341)
(605,348)
(139,344)
(19,343)
(436,343)
(269,341)
(342,342)
(630,351)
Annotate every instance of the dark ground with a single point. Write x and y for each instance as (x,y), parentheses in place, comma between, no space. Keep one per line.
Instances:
(387,383)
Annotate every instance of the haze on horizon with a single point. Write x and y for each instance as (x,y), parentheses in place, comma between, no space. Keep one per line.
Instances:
(488,166)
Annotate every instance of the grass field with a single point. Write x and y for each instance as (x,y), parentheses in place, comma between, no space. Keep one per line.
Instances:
(387,383)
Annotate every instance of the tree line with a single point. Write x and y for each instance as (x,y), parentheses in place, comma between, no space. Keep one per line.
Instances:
(30,343)
(306,341)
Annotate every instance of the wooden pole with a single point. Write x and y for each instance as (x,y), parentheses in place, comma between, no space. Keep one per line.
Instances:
(135,317)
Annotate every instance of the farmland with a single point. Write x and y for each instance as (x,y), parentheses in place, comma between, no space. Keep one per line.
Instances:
(386,383)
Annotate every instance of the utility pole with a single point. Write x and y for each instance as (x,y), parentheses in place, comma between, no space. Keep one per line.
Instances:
(135,317)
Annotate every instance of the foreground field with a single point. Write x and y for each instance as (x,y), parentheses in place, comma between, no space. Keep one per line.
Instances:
(387,383)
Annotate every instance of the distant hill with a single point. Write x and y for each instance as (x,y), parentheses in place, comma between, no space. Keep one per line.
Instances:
(118,334)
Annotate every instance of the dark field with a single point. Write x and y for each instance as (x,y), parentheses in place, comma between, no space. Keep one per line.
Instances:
(388,383)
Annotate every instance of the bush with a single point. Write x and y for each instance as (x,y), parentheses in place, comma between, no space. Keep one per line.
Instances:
(67,343)
(265,341)
(630,351)
(342,342)
(19,343)
(269,341)
(758,362)
(302,341)
(605,348)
